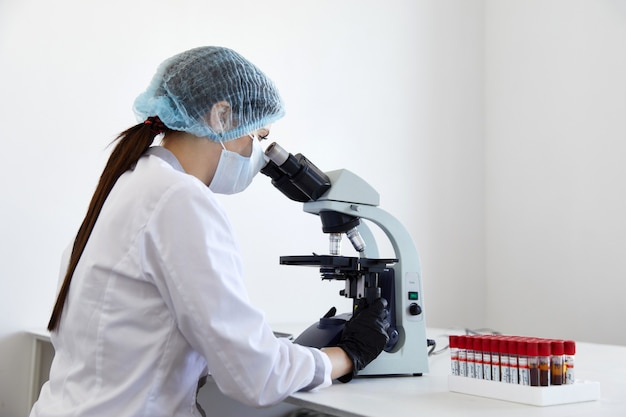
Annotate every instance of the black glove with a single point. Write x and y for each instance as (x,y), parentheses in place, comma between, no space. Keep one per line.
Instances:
(365,335)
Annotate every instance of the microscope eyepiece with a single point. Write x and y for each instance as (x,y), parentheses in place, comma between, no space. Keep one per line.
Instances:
(276,153)
(297,177)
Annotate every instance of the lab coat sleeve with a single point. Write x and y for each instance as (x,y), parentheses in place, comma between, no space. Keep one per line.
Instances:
(191,255)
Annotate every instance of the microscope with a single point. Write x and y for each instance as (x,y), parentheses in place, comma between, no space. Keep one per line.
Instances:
(342,200)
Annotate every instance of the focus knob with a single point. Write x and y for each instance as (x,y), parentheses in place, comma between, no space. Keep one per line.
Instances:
(415,309)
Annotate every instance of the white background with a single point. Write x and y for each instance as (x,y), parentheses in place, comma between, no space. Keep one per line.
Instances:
(494,130)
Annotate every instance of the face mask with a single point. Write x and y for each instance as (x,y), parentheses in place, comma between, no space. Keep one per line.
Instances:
(234,172)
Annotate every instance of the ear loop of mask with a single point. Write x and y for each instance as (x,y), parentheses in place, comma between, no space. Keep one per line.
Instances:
(253,137)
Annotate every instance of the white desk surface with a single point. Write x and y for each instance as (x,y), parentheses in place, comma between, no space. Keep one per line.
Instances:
(428,395)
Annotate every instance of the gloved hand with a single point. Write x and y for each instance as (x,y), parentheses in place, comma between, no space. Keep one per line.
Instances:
(365,335)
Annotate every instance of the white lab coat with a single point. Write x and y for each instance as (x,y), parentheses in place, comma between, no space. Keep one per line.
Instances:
(156,300)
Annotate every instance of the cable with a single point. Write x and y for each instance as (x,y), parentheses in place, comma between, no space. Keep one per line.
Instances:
(433,344)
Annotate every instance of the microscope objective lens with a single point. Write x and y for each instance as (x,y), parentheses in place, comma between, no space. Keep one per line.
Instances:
(356,239)
(334,240)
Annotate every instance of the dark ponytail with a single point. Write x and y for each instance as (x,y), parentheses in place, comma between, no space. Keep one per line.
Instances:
(131,144)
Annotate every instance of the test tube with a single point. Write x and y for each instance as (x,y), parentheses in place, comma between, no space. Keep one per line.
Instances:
(544,363)
(556,361)
(454,354)
(478,357)
(487,358)
(462,355)
(570,351)
(513,370)
(532,350)
(471,370)
(522,362)
(505,369)
(495,359)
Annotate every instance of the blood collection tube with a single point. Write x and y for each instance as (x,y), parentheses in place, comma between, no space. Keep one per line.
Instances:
(570,351)
(515,360)
(478,357)
(513,369)
(454,355)
(533,362)
(495,358)
(505,369)
(487,358)
(462,355)
(471,370)
(544,363)
(522,362)
(556,362)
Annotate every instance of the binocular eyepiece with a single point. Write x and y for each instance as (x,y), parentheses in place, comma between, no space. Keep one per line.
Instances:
(295,176)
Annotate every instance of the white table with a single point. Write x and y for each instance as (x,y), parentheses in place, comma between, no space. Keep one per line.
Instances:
(426,395)
(429,396)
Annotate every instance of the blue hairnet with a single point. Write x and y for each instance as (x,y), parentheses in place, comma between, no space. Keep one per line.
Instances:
(186,86)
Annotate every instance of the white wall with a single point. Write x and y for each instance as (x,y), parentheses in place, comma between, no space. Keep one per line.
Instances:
(390,90)
(555,168)
(493,130)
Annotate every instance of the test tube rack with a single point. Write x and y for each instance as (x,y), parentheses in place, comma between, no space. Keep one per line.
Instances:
(580,391)
(525,370)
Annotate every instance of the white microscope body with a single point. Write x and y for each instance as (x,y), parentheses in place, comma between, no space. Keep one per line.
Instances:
(351,195)
(342,200)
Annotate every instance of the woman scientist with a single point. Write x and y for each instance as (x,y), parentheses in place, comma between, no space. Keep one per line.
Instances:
(152,296)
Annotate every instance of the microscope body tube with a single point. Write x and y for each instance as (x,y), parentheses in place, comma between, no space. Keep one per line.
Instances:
(301,172)
(283,183)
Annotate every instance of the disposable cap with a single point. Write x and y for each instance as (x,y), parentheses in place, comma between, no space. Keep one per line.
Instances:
(210,92)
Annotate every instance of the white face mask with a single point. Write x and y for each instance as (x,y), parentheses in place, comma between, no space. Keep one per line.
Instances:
(234,172)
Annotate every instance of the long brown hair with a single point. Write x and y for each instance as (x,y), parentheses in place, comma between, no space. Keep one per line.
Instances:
(131,144)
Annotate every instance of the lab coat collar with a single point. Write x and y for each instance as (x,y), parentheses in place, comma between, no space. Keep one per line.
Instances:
(165,155)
